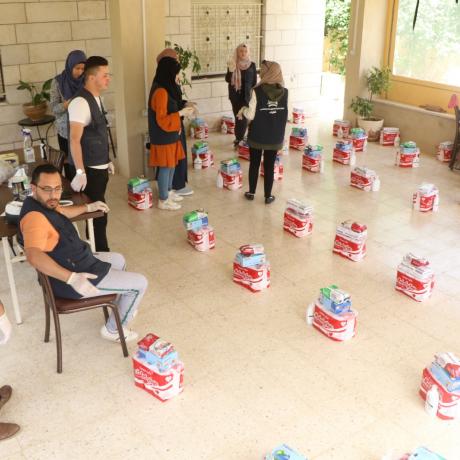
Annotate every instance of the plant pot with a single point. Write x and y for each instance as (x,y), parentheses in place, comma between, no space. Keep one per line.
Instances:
(35,112)
(372,126)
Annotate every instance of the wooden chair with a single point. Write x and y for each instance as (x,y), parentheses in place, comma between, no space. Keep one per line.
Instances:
(59,306)
(56,157)
(456,147)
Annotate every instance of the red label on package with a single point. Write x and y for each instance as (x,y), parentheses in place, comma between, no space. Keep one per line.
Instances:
(341,157)
(311,164)
(253,278)
(298,226)
(336,327)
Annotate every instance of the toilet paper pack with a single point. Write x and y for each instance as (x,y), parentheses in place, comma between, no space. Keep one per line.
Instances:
(298,138)
(202,239)
(415,277)
(343,125)
(408,155)
(362,177)
(426,198)
(350,240)
(342,152)
(298,218)
(312,157)
(359,139)
(445,150)
(388,136)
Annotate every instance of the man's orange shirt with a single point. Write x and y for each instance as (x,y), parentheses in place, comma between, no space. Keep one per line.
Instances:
(38,232)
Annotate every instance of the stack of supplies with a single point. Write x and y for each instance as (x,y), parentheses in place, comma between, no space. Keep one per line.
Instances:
(251,269)
(139,193)
(445,150)
(359,139)
(408,155)
(312,158)
(199,234)
(341,128)
(350,240)
(298,218)
(202,157)
(228,125)
(229,175)
(426,198)
(364,178)
(199,128)
(157,368)
(284,452)
(415,277)
(243,150)
(332,314)
(342,152)
(298,138)
(440,386)
(298,116)
(278,170)
(390,136)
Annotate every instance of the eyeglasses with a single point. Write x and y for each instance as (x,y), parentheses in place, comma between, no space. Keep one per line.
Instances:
(50,190)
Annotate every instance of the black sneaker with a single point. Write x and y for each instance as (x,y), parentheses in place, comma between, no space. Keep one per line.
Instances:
(249,196)
(269,199)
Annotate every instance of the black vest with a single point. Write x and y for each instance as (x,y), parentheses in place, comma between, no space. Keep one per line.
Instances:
(94,141)
(70,252)
(270,119)
(157,135)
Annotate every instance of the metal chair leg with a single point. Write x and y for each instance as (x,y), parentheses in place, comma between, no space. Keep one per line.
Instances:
(47,322)
(106,314)
(57,326)
(120,330)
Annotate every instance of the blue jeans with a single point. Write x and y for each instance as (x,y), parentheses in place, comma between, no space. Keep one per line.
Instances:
(165,178)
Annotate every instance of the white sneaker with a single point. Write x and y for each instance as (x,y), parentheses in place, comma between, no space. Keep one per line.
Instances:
(186,191)
(114,337)
(168,205)
(173,196)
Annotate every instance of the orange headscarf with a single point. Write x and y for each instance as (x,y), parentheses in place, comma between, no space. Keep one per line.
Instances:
(168,52)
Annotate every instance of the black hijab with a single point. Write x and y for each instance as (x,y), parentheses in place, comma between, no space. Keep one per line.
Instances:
(165,77)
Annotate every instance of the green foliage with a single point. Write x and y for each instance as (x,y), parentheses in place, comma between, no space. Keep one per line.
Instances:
(187,58)
(377,82)
(336,29)
(36,96)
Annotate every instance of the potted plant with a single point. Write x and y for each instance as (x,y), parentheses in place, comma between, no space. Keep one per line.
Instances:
(37,107)
(377,82)
(187,58)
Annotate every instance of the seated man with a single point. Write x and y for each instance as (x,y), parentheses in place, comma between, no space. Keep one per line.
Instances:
(52,246)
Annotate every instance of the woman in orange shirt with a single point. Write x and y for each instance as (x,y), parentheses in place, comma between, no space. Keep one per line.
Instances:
(164,129)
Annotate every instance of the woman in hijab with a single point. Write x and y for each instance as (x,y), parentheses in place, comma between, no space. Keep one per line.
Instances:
(268,113)
(63,88)
(180,179)
(241,77)
(165,127)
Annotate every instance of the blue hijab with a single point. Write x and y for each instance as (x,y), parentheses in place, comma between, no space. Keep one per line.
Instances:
(67,84)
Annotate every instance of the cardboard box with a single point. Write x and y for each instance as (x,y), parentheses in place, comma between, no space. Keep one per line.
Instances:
(138,184)
(413,279)
(162,385)
(448,408)
(388,136)
(338,327)
(350,240)
(142,200)
(344,124)
(203,239)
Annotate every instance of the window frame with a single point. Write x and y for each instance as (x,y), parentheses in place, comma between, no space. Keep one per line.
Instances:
(408,90)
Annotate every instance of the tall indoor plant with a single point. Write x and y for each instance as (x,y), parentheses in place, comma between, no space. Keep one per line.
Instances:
(38,105)
(377,82)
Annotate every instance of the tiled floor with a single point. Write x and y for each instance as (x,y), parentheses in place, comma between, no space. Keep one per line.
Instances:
(256,374)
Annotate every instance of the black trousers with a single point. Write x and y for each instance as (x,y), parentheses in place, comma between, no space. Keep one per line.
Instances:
(69,169)
(180,173)
(269,169)
(95,190)
(240,125)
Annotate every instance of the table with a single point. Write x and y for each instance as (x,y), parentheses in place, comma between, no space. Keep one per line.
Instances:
(46,120)
(9,231)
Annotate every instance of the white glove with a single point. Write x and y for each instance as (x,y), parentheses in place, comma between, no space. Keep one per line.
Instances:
(111,168)
(193,106)
(231,65)
(79,182)
(239,115)
(186,112)
(97,206)
(79,281)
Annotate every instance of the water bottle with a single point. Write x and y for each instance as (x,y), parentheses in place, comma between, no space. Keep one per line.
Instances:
(376,184)
(310,314)
(432,401)
(220,180)
(398,157)
(340,132)
(198,162)
(29,154)
(436,205)
(397,141)
(321,166)
(352,157)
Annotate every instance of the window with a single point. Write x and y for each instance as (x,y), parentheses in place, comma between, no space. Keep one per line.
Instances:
(2,82)
(218,28)
(425,61)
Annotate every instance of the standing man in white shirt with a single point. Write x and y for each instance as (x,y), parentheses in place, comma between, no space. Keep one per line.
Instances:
(89,144)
